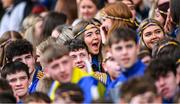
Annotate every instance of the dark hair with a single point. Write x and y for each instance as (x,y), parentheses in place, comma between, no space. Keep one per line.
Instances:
(167,47)
(75,45)
(37,97)
(72,90)
(17,48)
(175,10)
(52,20)
(125,34)
(62,6)
(143,52)
(98,3)
(163,9)
(160,67)
(5,87)
(7,98)
(136,86)
(14,67)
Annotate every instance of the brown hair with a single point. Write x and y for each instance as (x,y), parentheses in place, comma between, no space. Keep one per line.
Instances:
(53,52)
(5,39)
(140,85)
(120,14)
(70,11)
(30,33)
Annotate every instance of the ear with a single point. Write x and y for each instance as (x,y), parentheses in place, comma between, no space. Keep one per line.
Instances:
(104,66)
(46,72)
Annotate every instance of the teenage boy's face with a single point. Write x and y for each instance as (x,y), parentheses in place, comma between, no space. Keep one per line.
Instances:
(167,85)
(92,38)
(125,53)
(19,83)
(79,57)
(61,69)
(28,59)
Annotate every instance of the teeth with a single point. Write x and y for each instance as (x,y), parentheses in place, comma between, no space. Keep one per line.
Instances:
(154,41)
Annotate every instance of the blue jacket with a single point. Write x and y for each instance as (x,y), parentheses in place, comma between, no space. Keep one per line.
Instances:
(91,87)
(37,75)
(136,70)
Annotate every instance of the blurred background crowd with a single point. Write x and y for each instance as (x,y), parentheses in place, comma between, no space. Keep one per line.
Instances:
(90,51)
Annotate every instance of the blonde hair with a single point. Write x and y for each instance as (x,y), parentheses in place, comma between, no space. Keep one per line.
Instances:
(42,46)
(28,22)
(29,32)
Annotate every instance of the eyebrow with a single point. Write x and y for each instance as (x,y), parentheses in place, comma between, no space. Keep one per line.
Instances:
(89,33)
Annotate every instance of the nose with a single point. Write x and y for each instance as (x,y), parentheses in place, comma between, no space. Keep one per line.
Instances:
(79,59)
(95,36)
(18,83)
(85,10)
(154,36)
(161,81)
(61,68)
(124,51)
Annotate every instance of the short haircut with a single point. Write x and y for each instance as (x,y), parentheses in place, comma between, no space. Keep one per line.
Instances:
(75,45)
(124,34)
(53,52)
(7,98)
(17,48)
(160,67)
(167,47)
(136,86)
(14,67)
(5,86)
(73,91)
(37,97)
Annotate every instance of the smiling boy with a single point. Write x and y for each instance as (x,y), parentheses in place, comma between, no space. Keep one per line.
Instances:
(59,66)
